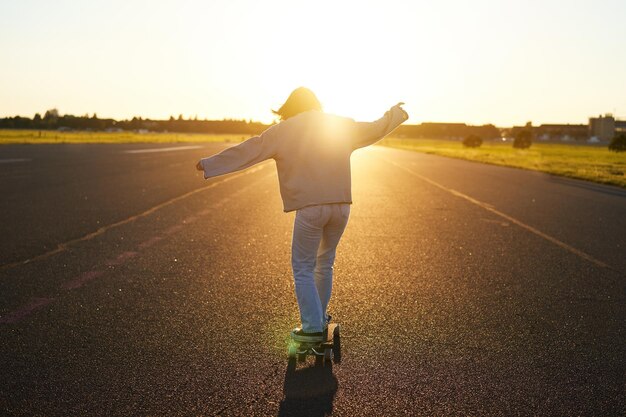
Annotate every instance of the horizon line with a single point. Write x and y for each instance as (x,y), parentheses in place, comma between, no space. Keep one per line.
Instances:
(250,120)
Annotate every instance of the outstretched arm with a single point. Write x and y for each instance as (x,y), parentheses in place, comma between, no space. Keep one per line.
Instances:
(236,158)
(368,133)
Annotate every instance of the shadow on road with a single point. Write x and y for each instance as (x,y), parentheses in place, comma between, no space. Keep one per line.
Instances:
(308,391)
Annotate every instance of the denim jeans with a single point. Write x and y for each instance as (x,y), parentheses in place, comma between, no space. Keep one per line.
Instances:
(316,234)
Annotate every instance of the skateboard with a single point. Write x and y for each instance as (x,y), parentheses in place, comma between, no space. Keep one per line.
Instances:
(320,349)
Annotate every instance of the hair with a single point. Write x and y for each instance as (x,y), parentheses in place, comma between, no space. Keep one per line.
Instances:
(300,100)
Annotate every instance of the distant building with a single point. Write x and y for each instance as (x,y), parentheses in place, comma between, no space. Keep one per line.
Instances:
(620,127)
(551,132)
(451,131)
(599,129)
(564,132)
(602,127)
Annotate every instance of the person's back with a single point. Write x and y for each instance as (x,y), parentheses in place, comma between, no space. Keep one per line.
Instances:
(313,159)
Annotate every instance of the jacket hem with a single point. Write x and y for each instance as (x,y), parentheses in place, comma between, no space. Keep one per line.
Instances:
(287,210)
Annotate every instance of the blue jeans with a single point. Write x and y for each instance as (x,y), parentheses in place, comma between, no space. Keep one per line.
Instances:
(316,234)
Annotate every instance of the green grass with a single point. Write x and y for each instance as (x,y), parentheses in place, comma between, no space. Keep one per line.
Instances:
(53,136)
(592,163)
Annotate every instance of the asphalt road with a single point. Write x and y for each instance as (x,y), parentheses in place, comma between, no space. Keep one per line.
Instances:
(131,286)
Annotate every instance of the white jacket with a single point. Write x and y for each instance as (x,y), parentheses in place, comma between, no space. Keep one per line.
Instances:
(312,153)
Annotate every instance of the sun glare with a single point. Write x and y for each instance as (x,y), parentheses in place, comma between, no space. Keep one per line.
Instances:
(348,63)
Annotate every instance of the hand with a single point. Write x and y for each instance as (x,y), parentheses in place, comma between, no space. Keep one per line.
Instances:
(199,166)
(399,105)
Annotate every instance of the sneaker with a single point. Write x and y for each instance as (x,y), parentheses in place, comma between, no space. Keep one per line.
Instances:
(300,335)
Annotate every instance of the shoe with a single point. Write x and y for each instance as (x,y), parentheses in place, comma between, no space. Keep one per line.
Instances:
(300,335)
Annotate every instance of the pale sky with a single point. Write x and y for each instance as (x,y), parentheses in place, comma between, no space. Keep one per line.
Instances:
(480,61)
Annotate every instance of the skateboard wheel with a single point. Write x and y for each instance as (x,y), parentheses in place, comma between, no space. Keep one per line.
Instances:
(292,351)
(336,331)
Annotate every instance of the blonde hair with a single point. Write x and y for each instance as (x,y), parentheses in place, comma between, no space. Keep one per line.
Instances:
(300,100)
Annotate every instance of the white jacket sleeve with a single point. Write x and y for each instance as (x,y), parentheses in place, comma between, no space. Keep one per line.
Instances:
(368,133)
(236,158)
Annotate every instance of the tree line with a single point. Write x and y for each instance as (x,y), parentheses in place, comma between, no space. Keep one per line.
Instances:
(52,120)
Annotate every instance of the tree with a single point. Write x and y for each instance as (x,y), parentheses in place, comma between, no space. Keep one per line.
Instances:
(523,139)
(37,117)
(472,141)
(51,114)
(618,144)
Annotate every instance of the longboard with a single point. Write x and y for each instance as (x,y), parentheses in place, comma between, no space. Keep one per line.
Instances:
(325,348)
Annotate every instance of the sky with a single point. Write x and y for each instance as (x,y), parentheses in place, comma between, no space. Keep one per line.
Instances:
(481,61)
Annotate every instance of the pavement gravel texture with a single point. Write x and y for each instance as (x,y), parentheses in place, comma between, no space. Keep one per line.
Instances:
(131,286)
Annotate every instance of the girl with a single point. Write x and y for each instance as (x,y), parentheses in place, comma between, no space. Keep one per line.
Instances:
(312,152)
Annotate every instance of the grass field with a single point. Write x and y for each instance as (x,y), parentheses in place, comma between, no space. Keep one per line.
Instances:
(592,163)
(53,136)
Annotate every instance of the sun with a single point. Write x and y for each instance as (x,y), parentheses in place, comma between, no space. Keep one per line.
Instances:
(349,68)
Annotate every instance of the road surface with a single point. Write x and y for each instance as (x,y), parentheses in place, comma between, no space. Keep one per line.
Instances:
(131,286)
